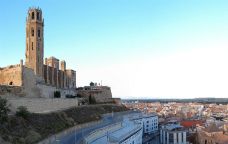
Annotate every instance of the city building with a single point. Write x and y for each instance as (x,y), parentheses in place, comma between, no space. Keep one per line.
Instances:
(39,77)
(212,134)
(149,122)
(126,132)
(173,133)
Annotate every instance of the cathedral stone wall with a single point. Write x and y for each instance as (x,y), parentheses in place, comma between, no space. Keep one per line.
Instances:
(30,81)
(46,91)
(11,75)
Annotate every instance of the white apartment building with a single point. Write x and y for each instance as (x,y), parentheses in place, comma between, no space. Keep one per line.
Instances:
(173,133)
(149,122)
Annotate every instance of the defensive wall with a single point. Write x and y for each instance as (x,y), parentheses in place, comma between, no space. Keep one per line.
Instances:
(19,80)
(11,75)
(11,91)
(101,94)
(42,105)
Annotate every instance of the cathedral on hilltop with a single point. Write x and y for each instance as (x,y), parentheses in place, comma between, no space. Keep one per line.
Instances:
(38,77)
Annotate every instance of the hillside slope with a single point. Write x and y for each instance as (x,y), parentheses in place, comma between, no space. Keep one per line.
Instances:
(39,126)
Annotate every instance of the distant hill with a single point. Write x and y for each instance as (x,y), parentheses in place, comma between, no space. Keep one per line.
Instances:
(199,100)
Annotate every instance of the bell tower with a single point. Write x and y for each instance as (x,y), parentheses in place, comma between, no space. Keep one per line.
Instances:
(34,52)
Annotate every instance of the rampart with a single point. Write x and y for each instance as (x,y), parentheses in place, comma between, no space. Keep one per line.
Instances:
(11,75)
(11,90)
(101,94)
(42,105)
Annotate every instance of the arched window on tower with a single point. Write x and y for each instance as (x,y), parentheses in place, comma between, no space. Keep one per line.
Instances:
(33,15)
(37,15)
(32,31)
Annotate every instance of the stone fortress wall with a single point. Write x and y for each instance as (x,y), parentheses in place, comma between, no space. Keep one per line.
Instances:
(42,105)
(11,91)
(18,80)
(11,75)
(101,94)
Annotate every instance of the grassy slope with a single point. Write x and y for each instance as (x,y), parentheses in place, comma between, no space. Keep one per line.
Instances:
(39,126)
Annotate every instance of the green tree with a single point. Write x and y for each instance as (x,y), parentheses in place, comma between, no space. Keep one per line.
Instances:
(22,111)
(91,84)
(4,110)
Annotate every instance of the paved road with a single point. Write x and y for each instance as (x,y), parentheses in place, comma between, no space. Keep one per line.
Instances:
(77,137)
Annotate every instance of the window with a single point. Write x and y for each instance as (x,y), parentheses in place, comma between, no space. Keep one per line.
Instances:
(32,31)
(37,15)
(32,45)
(33,16)
(38,32)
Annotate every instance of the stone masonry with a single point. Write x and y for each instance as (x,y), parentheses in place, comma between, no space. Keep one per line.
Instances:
(39,77)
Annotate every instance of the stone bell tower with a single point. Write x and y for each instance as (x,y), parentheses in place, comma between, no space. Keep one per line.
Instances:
(35,41)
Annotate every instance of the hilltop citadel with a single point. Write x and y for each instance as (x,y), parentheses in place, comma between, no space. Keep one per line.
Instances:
(39,77)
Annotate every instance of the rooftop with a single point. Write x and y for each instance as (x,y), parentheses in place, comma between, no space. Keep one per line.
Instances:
(173,127)
(122,134)
(128,128)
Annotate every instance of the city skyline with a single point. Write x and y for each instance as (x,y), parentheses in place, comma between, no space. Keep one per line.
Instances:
(146,49)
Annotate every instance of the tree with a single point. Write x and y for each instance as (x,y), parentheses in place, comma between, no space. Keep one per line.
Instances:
(4,110)
(91,84)
(22,111)
(57,94)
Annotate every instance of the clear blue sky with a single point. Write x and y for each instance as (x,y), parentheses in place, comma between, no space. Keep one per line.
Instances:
(141,48)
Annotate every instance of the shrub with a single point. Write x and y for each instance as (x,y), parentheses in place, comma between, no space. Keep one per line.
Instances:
(4,109)
(70,96)
(32,137)
(57,94)
(22,111)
